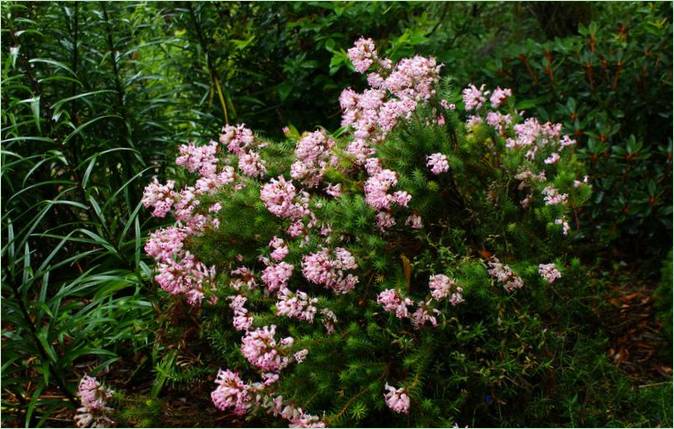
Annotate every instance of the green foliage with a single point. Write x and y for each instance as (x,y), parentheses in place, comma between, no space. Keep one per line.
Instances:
(610,84)
(96,96)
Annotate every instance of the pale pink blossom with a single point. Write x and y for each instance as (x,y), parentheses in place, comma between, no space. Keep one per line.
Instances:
(243,276)
(443,287)
(242,321)
(251,164)
(414,221)
(231,392)
(422,315)
(280,249)
(363,54)
(474,98)
(296,305)
(165,243)
(392,302)
(199,159)
(504,275)
(437,163)
(552,159)
(301,355)
(499,96)
(384,220)
(188,276)
(276,276)
(238,139)
(565,225)
(160,197)
(549,272)
(328,270)
(552,196)
(397,399)
(260,349)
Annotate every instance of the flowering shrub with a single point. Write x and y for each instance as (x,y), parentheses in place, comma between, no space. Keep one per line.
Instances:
(350,279)
(94,411)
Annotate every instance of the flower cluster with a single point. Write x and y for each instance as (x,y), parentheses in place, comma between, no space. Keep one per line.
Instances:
(314,156)
(443,287)
(242,321)
(276,276)
(279,197)
(296,305)
(394,303)
(394,94)
(185,277)
(260,349)
(549,272)
(327,270)
(241,142)
(94,411)
(231,392)
(504,275)
(397,399)
(437,163)
(160,197)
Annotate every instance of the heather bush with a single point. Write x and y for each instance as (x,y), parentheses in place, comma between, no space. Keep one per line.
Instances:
(362,277)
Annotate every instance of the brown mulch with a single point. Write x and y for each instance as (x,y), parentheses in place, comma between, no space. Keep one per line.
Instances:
(636,342)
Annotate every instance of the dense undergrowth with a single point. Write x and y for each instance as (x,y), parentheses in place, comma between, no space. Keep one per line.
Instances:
(97,97)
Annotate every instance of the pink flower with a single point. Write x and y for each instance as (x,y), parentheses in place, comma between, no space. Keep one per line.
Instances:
(92,394)
(237,139)
(242,276)
(377,187)
(278,195)
(301,355)
(498,96)
(552,196)
(242,321)
(473,121)
(296,305)
(384,221)
(329,320)
(231,392)
(394,303)
(414,78)
(443,287)
(198,158)
(251,164)
(504,275)
(260,349)
(474,98)
(185,277)
(565,225)
(324,269)
(549,272)
(567,141)
(363,54)
(422,315)
(552,159)
(165,243)
(160,197)
(437,163)
(334,190)
(499,121)
(414,221)
(94,410)
(276,276)
(313,153)
(280,249)
(397,399)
